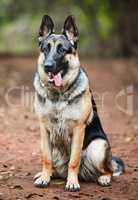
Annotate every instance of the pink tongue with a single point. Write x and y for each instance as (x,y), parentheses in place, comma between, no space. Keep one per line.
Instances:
(58,79)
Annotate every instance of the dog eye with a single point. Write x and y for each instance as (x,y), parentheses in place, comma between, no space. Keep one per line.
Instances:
(46,48)
(60,49)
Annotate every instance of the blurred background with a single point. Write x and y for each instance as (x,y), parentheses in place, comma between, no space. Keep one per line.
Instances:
(108,28)
(108,40)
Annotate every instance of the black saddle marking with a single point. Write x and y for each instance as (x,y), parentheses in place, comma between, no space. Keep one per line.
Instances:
(94,129)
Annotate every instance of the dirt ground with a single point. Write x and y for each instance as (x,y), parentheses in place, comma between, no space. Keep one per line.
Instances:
(115,86)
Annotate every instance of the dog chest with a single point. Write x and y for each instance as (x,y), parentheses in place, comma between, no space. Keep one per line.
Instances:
(60,118)
(60,123)
(61,110)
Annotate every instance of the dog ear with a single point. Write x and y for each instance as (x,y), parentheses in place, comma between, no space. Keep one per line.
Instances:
(46,27)
(70,30)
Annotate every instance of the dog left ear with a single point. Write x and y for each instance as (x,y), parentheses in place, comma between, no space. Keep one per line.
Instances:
(46,27)
(70,30)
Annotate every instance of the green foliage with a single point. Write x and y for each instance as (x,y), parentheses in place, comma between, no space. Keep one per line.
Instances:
(20,19)
(104,19)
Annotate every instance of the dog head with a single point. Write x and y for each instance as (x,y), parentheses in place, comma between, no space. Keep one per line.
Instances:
(58,61)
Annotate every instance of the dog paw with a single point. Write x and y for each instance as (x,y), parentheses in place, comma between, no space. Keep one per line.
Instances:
(104,180)
(37,175)
(72,186)
(41,181)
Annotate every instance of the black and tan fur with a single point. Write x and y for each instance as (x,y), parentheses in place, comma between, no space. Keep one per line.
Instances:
(73,143)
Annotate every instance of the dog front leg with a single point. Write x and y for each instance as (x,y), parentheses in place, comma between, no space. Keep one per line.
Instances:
(73,168)
(42,179)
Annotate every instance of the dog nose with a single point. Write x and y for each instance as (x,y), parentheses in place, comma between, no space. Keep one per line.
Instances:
(48,68)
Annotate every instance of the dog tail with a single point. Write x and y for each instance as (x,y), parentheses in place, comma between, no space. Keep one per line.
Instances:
(118,166)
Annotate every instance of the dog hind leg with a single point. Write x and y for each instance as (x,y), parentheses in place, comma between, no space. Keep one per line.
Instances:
(96,162)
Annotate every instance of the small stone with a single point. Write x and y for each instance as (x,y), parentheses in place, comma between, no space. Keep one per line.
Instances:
(34,153)
(33,128)
(12,168)
(28,174)
(11,187)
(10,175)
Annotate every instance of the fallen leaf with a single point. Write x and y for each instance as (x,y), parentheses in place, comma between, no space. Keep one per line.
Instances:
(18,187)
(30,195)
(58,182)
(129,139)
(5,166)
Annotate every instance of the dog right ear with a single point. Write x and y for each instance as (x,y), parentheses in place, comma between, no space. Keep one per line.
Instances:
(70,30)
(46,27)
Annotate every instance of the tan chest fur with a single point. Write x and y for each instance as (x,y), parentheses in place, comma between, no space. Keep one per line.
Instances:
(61,117)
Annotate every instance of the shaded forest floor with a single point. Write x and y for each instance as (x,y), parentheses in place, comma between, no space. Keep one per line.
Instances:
(19,130)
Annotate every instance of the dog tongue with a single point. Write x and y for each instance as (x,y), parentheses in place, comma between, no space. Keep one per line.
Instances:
(57,79)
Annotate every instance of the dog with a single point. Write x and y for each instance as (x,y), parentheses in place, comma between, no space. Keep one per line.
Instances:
(74,145)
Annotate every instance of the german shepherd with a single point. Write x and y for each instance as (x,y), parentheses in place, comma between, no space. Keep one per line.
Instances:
(73,143)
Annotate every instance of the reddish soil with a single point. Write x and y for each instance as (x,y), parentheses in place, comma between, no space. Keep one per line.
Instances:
(19,131)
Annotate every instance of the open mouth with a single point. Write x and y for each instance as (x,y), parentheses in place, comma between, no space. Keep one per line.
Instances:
(55,78)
